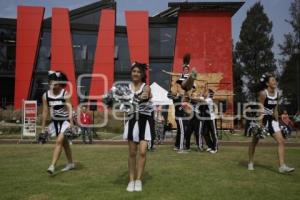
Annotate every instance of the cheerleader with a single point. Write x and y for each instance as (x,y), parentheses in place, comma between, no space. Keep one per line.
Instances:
(140,126)
(187,78)
(268,99)
(182,117)
(209,127)
(57,101)
(196,123)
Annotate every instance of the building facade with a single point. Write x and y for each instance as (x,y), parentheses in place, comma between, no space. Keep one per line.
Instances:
(202,29)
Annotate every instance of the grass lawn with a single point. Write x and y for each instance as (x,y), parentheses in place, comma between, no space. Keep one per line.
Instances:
(102,174)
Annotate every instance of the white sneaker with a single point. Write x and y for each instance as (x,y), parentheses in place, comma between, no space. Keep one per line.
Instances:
(208,149)
(213,151)
(51,169)
(130,187)
(68,167)
(286,169)
(181,151)
(138,186)
(250,166)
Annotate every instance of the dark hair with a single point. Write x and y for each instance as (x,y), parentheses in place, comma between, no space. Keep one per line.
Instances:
(186,60)
(57,76)
(264,79)
(142,67)
(211,93)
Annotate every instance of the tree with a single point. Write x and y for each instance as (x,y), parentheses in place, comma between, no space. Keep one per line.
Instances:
(290,79)
(237,81)
(254,48)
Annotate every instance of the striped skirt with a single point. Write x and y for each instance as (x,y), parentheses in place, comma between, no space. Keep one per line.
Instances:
(139,127)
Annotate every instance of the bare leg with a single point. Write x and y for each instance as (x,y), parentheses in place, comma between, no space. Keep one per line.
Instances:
(132,160)
(188,83)
(68,151)
(58,148)
(142,159)
(281,147)
(252,147)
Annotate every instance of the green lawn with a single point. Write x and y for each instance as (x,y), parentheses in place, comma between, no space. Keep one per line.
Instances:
(102,174)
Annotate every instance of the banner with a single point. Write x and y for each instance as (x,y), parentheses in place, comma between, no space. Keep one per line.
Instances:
(29,118)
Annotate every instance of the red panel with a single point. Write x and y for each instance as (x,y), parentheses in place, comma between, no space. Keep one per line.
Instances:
(28,34)
(104,56)
(138,36)
(207,36)
(61,47)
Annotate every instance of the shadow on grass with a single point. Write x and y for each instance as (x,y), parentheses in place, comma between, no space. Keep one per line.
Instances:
(78,166)
(122,178)
(258,165)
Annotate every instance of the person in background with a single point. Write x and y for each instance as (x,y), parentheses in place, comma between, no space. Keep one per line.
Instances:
(286,120)
(187,77)
(296,119)
(210,128)
(196,123)
(180,101)
(159,124)
(85,121)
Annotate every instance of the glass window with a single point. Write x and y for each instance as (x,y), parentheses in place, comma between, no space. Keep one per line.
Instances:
(122,58)
(92,18)
(84,47)
(162,41)
(39,86)
(7,50)
(43,60)
(156,74)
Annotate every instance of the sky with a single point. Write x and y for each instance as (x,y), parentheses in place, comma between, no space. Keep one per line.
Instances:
(277,11)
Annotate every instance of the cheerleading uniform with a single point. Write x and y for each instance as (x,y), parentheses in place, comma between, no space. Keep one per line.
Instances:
(58,112)
(269,120)
(182,123)
(196,126)
(182,78)
(140,126)
(210,128)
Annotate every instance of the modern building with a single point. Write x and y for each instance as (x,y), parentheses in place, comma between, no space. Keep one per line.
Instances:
(200,28)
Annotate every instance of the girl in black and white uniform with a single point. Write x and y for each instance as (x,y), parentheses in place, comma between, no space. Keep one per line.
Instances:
(57,101)
(197,122)
(139,129)
(186,78)
(268,99)
(182,117)
(210,128)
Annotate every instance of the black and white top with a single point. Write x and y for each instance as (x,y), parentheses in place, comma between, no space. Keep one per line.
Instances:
(209,109)
(269,120)
(57,104)
(141,126)
(270,103)
(182,78)
(178,106)
(142,107)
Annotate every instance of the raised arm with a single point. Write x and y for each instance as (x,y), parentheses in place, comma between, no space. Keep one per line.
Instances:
(170,73)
